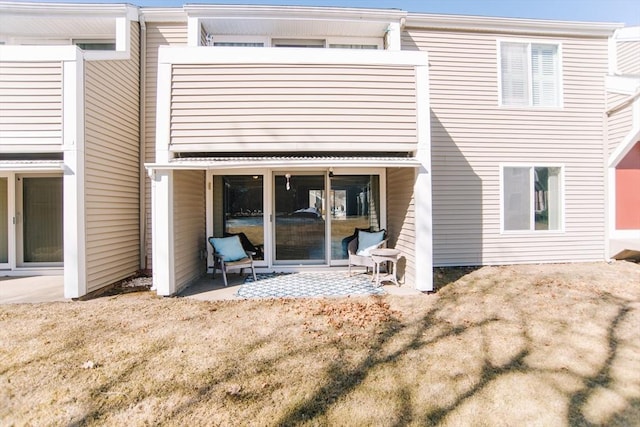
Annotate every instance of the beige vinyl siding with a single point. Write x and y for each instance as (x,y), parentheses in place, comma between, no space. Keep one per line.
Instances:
(112,178)
(243,108)
(158,34)
(619,123)
(189,226)
(471,136)
(629,58)
(401,220)
(30,104)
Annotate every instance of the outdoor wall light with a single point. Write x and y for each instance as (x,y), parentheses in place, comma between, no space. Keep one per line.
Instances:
(288,176)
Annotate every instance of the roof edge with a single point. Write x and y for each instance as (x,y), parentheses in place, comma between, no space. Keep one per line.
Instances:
(70,9)
(307,12)
(512,25)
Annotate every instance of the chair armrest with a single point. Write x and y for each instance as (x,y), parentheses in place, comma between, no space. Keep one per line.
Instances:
(352,247)
(382,244)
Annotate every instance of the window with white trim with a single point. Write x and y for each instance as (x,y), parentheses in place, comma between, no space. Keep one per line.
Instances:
(530,74)
(532,198)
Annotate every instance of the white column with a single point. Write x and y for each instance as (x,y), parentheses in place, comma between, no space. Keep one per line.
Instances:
(422,188)
(163,110)
(162,229)
(392,37)
(193,31)
(75,275)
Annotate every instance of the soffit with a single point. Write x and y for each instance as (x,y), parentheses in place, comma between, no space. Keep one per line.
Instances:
(294,21)
(62,21)
(293,27)
(31,165)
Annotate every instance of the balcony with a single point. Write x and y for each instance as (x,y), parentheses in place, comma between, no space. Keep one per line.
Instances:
(248,100)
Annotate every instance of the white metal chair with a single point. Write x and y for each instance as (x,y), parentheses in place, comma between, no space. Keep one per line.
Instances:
(359,256)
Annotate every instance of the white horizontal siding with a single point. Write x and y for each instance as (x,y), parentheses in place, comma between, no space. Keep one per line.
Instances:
(619,123)
(472,136)
(189,226)
(158,34)
(292,108)
(628,56)
(401,220)
(112,179)
(30,104)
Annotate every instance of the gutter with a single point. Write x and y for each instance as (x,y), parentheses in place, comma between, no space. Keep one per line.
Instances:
(143,151)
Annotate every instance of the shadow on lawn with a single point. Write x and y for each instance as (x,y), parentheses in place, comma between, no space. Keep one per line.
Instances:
(343,380)
(560,353)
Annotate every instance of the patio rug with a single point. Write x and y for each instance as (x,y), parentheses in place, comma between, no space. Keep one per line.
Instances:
(318,284)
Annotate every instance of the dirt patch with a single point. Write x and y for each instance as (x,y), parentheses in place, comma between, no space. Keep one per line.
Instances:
(515,345)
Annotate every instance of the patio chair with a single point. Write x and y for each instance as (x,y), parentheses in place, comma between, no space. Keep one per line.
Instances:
(360,247)
(256,250)
(228,253)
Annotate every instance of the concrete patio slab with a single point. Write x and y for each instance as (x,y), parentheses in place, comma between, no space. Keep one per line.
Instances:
(31,289)
(208,289)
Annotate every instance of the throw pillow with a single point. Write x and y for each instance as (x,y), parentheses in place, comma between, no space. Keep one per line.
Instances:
(229,247)
(368,241)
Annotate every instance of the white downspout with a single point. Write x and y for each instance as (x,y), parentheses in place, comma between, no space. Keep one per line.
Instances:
(142,123)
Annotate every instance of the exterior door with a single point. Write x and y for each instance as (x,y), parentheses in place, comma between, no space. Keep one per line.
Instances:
(299,219)
(39,220)
(355,204)
(4,223)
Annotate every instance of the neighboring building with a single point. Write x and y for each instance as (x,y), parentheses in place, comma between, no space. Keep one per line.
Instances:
(69,143)
(471,140)
(623,138)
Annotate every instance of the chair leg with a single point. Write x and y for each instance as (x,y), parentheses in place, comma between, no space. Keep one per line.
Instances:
(224,273)
(253,270)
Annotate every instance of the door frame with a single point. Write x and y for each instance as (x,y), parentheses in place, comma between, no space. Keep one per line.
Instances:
(19,219)
(268,175)
(11,229)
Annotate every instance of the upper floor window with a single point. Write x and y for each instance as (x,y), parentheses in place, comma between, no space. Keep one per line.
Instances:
(530,74)
(531,198)
(239,44)
(352,46)
(95,44)
(313,43)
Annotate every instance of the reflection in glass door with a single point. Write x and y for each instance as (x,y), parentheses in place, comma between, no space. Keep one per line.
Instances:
(300,214)
(4,222)
(241,199)
(354,205)
(41,222)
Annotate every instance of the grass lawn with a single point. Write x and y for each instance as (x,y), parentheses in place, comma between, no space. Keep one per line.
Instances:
(550,345)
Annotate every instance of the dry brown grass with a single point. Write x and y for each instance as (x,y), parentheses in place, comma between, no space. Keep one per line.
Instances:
(524,345)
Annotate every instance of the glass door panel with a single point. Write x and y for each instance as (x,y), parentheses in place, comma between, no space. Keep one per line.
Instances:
(4,221)
(300,210)
(241,200)
(354,204)
(42,221)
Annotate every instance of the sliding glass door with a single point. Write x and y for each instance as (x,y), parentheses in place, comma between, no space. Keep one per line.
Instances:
(40,221)
(355,205)
(241,204)
(299,218)
(4,222)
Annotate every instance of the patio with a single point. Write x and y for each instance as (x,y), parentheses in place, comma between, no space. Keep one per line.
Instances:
(309,284)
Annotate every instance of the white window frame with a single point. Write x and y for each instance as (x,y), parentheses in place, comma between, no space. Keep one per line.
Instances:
(561,190)
(378,42)
(559,77)
(303,42)
(211,38)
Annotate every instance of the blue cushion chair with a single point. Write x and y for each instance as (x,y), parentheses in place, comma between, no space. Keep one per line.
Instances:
(228,253)
(360,247)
